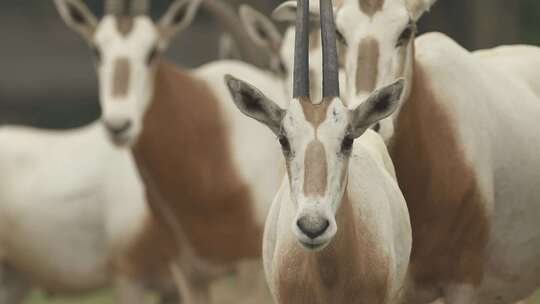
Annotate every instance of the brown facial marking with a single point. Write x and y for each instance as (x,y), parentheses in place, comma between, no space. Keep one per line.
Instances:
(124,24)
(367,65)
(316,170)
(314,113)
(370,7)
(211,202)
(121,77)
(343,271)
(441,190)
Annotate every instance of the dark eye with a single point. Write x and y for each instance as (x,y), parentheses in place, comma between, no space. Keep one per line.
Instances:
(347,144)
(96,53)
(284,142)
(341,38)
(406,35)
(152,55)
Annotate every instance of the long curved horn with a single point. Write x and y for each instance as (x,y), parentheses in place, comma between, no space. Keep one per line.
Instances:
(139,7)
(226,16)
(301,52)
(114,7)
(330,57)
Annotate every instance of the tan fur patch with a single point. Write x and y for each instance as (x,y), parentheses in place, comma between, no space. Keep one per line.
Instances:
(370,7)
(124,24)
(121,77)
(185,149)
(314,113)
(316,170)
(448,216)
(351,269)
(367,65)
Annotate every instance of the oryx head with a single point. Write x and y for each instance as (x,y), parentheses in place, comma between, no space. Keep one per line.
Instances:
(126,46)
(316,136)
(378,36)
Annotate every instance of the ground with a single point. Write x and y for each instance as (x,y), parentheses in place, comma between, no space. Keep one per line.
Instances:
(106,298)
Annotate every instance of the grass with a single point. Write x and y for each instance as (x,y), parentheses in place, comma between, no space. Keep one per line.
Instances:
(103,297)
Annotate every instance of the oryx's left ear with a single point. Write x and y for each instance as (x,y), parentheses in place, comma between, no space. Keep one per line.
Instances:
(260,29)
(379,105)
(254,104)
(78,17)
(178,17)
(418,7)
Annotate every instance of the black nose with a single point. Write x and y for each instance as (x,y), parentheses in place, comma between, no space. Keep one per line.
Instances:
(313,227)
(118,127)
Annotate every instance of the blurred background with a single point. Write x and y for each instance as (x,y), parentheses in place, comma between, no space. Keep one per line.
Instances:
(47,76)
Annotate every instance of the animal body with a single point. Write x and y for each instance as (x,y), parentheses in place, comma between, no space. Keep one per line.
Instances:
(194,151)
(459,142)
(71,208)
(338,230)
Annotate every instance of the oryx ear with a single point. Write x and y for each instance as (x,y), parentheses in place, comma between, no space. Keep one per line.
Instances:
(254,104)
(178,17)
(379,105)
(260,29)
(418,7)
(78,17)
(228,49)
(286,12)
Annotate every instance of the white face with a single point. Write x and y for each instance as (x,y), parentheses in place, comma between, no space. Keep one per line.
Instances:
(126,51)
(378,37)
(317,141)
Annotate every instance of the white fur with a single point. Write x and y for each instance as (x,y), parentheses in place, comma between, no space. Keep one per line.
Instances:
(70,206)
(495,128)
(492,100)
(383,203)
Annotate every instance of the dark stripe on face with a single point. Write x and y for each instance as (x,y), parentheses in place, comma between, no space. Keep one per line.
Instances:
(316,170)
(124,25)
(121,76)
(370,7)
(367,66)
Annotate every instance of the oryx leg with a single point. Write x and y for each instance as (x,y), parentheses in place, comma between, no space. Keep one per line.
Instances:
(129,290)
(13,287)
(192,290)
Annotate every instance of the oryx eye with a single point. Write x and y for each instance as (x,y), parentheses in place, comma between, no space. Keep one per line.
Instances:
(284,142)
(347,144)
(406,35)
(152,55)
(341,38)
(96,53)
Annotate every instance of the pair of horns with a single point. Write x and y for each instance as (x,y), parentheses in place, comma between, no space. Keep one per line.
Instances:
(301,51)
(118,7)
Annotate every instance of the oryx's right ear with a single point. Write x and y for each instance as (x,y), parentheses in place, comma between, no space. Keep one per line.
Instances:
(418,7)
(379,105)
(286,12)
(78,17)
(261,29)
(178,17)
(254,104)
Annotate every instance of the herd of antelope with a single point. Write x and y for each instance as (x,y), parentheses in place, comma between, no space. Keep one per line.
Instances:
(345,161)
